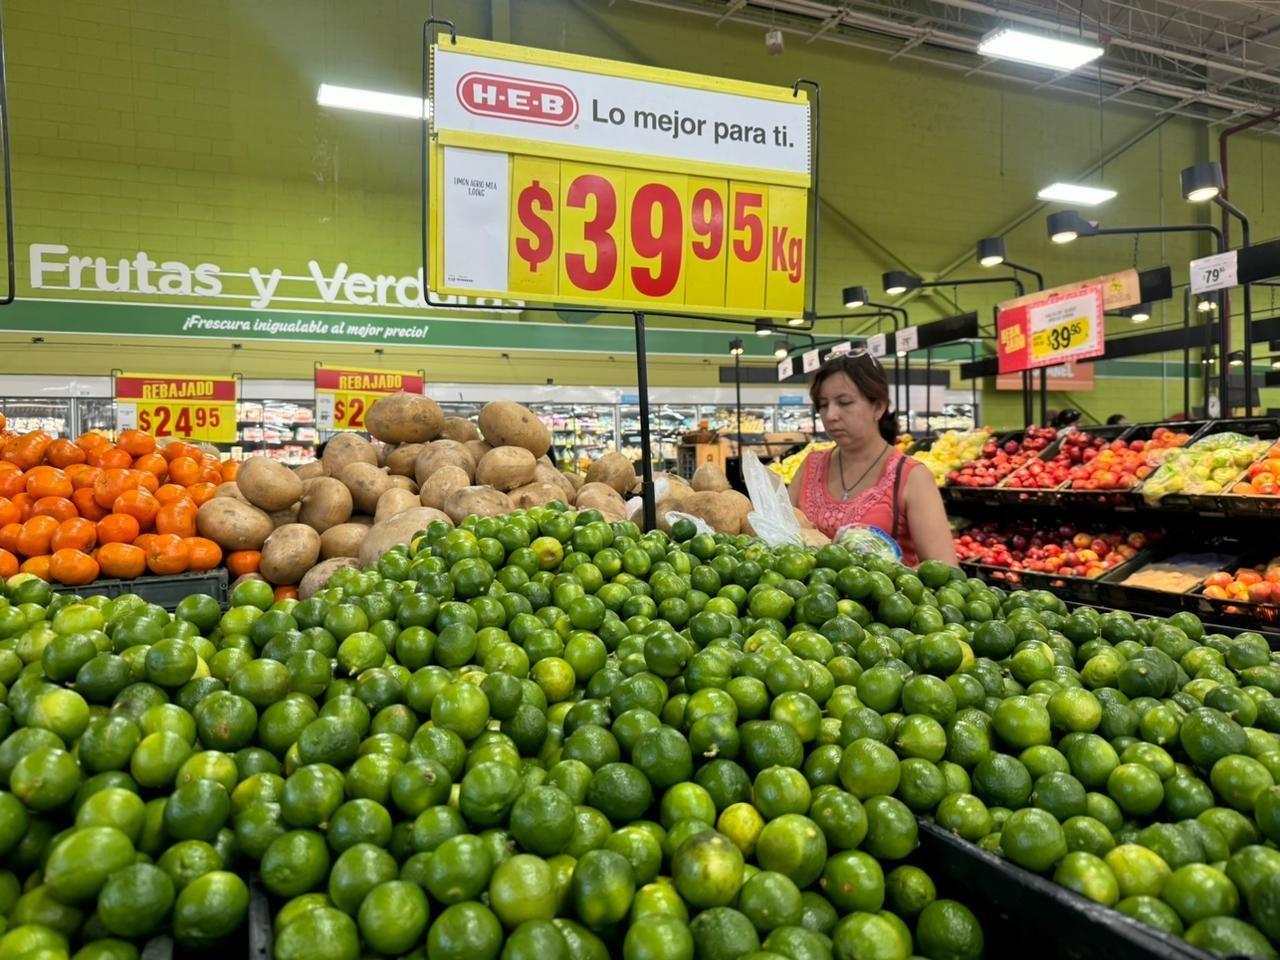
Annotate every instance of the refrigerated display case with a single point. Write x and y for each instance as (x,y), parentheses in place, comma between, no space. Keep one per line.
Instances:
(580,432)
(53,415)
(97,415)
(796,418)
(724,418)
(459,408)
(667,424)
(284,430)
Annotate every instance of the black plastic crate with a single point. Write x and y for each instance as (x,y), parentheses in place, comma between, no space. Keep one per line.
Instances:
(1052,920)
(164,591)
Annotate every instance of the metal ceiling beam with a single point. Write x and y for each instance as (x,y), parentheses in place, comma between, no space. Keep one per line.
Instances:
(878,25)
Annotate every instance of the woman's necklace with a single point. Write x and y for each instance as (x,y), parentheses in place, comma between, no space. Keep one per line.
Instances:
(861,477)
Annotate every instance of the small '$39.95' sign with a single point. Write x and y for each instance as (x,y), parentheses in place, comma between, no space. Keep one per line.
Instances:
(344,395)
(200,409)
(1061,327)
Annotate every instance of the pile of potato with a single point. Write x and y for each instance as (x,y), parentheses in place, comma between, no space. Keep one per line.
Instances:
(362,498)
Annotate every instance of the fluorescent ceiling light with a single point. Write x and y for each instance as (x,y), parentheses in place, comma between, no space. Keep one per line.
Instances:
(371,101)
(1038,49)
(1076,193)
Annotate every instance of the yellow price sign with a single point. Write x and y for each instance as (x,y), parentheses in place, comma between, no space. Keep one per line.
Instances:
(344,394)
(624,237)
(571,179)
(198,409)
(1062,338)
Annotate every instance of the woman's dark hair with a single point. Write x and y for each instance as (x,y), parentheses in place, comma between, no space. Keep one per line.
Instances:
(871,380)
(1116,418)
(1065,418)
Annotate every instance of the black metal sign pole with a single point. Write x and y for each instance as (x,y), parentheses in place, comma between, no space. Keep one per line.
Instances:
(646,457)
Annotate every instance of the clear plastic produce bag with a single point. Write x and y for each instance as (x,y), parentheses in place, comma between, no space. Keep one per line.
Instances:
(860,538)
(772,517)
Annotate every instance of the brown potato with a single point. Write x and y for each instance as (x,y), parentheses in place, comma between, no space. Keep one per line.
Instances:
(400,461)
(280,518)
(361,518)
(268,484)
(343,540)
(443,453)
(505,468)
(536,494)
(404,418)
(711,477)
(325,503)
(405,483)
(309,470)
(708,505)
(230,489)
(345,448)
(814,537)
(288,553)
(441,484)
(740,502)
(460,429)
(508,424)
(314,580)
(233,525)
(614,470)
(576,480)
(398,529)
(392,502)
(477,449)
(598,496)
(545,473)
(366,483)
(478,501)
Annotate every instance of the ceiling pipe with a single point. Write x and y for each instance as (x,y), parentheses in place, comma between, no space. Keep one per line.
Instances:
(965,44)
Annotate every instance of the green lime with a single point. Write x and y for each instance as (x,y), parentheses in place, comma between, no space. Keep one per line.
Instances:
(1032,838)
(135,900)
(946,928)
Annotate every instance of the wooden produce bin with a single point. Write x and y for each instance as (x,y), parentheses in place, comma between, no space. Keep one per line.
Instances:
(690,456)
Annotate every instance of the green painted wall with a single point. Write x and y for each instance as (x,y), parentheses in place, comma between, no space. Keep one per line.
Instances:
(189,130)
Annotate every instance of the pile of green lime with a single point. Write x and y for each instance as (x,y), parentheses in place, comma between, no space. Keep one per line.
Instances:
(547,735)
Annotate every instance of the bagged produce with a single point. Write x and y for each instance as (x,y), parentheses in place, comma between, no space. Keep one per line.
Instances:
(773,517)
(1207,466)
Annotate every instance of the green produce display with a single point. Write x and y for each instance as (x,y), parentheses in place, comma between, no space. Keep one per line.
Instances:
(545,735)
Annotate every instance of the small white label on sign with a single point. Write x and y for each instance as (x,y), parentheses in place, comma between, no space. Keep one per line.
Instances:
(785,369)
(1214,406)
(126,416)
(876,345)
(324,411)
(907,339)
(811,360)
(475,218)
(840,349)
(1217,272)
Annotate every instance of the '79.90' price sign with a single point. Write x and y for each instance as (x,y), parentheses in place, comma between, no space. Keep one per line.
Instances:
(574,180)
(344,394)
(201,409)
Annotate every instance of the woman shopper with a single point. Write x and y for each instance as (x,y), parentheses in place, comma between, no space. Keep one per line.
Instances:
(865,480)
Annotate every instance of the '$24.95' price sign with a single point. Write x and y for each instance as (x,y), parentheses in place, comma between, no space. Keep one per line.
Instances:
(620,237)
(201,409)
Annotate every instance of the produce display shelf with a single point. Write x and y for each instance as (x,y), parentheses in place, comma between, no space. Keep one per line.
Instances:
(1050,917)
(164,591)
